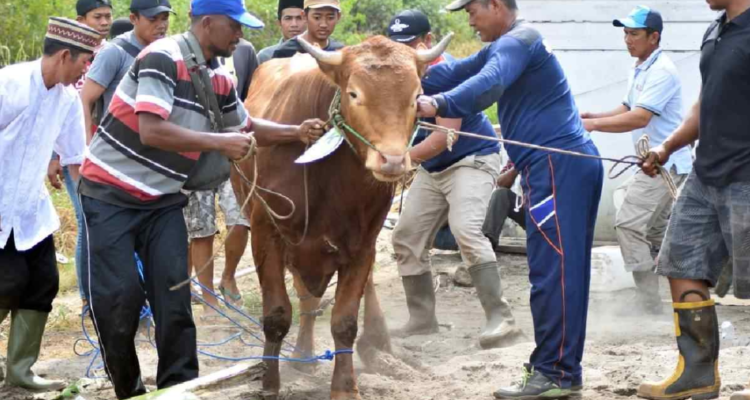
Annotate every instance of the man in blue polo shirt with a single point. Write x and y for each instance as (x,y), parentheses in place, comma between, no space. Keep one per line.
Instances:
(453,185)
(652,107)
(535,105)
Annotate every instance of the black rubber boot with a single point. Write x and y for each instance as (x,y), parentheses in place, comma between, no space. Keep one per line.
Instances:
(697,373)
(648,297)
(501,326)
(420,299)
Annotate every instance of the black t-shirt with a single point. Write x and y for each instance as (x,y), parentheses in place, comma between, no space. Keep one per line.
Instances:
(244,64)
(723,155)
(292,47)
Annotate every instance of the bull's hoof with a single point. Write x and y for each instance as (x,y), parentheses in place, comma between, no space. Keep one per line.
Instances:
(306,367)
(345,396)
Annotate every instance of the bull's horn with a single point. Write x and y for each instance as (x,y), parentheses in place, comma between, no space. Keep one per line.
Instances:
(430,55)
(326,57)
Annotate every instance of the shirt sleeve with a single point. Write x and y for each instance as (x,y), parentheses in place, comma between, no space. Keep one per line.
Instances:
(660,87)
(157,78)
(71,143)
(106,65)
(503,62)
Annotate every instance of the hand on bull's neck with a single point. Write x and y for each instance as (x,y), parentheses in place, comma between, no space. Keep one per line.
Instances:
(310,39)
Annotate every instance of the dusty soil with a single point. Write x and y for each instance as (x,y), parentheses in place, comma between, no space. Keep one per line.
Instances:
(621,350)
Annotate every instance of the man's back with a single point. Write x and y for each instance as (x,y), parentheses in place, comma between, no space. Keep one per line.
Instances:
(538,107)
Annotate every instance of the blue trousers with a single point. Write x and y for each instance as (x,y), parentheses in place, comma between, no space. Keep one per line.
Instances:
(72,190)
(562,196)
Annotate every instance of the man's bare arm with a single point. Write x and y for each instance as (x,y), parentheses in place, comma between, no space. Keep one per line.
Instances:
(436,142)
(626,122)
(687,133)
(90,93)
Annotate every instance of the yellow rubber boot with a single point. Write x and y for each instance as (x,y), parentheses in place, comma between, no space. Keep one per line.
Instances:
(697,374)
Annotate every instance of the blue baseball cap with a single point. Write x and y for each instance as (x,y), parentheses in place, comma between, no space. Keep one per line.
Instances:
(234,9)
(641,17)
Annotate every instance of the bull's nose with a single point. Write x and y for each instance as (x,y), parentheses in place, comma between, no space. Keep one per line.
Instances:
(392,165)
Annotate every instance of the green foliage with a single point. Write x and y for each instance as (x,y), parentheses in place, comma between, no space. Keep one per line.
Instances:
(25,22)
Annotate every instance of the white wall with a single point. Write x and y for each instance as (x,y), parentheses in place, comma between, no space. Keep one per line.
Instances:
(596,62)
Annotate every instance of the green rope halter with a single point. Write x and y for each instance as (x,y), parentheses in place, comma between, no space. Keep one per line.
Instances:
(338,122)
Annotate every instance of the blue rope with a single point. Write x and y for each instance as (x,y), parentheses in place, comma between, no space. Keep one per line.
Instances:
(147,314)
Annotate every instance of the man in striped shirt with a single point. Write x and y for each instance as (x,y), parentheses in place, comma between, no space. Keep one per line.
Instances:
(143,154)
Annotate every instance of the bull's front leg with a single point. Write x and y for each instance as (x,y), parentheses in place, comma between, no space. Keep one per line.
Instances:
(277,310)
(352,281)
(308,307)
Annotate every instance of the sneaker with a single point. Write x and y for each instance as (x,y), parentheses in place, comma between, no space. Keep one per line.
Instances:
(534,385)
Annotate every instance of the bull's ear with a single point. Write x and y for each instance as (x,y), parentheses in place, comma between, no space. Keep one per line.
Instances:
(426,56)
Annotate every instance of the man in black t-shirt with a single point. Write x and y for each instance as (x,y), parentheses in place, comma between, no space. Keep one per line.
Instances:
(710,221)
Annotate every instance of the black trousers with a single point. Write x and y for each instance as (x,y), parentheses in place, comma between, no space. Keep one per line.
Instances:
(502,206)
(29,279)
(113,235)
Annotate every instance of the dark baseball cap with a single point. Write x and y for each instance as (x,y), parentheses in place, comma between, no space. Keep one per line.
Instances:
(150,8)
(407,25)
(641,17)
(84,6)
(234,9)
(120,26)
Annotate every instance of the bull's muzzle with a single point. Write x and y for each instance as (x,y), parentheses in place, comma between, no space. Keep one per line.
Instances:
(392,165)
(388,167)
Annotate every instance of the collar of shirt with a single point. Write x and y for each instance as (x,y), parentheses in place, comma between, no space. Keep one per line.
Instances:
(649,61)
(742,20)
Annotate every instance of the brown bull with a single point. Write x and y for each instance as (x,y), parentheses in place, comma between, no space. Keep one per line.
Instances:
(341,201)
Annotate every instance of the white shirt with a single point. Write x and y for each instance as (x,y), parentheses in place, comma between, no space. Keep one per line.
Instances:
(33,122)
(655,85)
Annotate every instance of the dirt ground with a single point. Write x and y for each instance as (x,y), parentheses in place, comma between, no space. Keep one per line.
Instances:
(621,350)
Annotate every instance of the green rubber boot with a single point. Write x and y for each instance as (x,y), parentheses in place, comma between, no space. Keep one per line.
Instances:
(24,344)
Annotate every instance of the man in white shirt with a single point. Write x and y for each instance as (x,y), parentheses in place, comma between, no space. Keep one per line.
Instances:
(40,111)
(652,107)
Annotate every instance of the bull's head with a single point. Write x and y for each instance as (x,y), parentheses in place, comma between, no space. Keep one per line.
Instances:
(379,82)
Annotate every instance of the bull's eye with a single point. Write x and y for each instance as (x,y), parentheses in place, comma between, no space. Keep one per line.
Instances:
(353,95)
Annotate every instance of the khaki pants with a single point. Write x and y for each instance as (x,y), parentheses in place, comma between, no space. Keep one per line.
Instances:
(642,219)
(460,195)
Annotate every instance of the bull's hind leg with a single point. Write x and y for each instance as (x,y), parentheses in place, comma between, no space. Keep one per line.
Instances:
(375,338)
(277,310)
(352,281)
(308,307)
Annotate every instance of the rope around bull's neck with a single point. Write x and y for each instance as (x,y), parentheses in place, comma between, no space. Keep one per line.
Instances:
(642,150)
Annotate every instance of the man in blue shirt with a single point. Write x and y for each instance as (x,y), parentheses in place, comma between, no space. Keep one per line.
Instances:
(453,185)
(652,107)
(535,105)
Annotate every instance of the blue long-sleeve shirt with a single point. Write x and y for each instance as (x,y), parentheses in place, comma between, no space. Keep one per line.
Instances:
(534,101)
(436,80)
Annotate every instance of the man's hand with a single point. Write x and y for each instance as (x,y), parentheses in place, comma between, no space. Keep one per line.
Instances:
(588,125)
(235,145)
(426,107)
(507,179)
(655,157)
(587,115)
(311,130)
(55,174)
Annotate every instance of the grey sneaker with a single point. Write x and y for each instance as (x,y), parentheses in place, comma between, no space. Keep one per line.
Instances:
(534,385)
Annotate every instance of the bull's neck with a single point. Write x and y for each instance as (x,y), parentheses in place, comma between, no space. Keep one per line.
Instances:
(312,40)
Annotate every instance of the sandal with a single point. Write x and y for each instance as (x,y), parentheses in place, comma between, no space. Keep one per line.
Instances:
(233,299)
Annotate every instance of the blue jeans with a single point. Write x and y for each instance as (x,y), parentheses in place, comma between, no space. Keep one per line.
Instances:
(70,186)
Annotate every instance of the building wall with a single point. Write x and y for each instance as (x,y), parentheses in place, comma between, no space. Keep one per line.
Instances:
(596,62)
